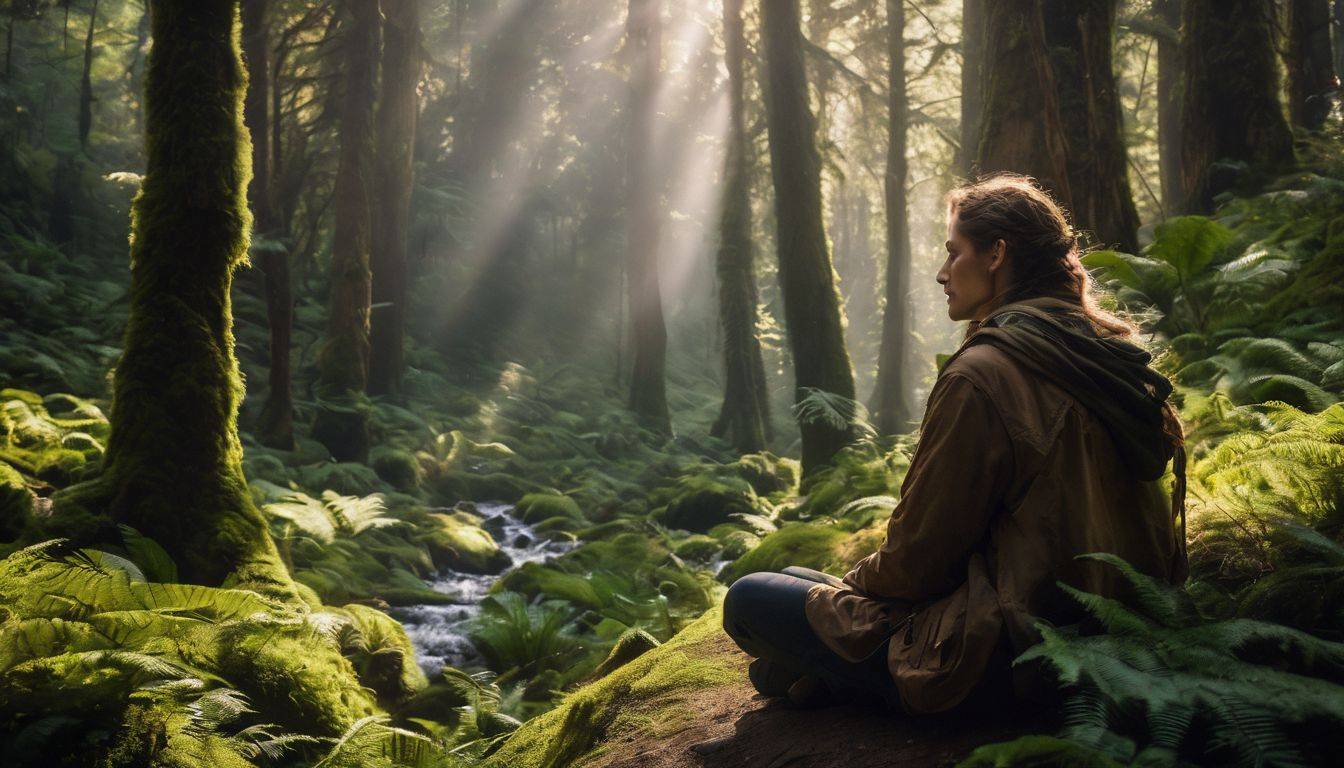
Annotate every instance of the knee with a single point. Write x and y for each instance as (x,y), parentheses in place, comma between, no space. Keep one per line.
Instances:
(743,595)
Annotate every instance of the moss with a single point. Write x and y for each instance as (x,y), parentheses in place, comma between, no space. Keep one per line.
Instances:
(383,656)
(456,540)
(557,524)
(702,503)
(646,692)
(348,478)
(698,547)
(632,644)
(459,485)
(84,443)
(16,503)
(536,507)
(60,466)
(767,473)
(294,676)
(160,736)
(399,468)
(810,545)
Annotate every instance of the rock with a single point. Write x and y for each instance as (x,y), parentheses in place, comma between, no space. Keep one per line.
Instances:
(706,502)
(536,507)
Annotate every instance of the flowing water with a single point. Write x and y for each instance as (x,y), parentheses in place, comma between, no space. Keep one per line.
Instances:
(439,632)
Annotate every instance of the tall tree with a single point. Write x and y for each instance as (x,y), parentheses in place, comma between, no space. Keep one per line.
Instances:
(343,364)
(972,73)
(812,314)
(1231,108)
(276,424)
(1311,74)
(393,181)
(1049,62)
(892,412)
(745,415)
(173,468)
(1167,33)
(86,81)
(648,387)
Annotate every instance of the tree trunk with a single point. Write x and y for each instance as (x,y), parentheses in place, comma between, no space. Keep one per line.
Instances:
(892,412)
(275,426)
(343,364)
(1168,13)
(173,465)
(1231,110)
(1311,73)
(393,181)
(86,82)
(648,392)
(812,313)
(1021,129)
(972,77)
(1337,21)
(745,415)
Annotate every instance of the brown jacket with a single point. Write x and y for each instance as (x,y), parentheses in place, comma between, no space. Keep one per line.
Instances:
(1011,479)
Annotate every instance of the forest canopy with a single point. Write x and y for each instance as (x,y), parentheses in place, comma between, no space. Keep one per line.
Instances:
(403,382)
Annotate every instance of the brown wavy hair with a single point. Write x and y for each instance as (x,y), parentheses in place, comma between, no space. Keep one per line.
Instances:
(1043,246)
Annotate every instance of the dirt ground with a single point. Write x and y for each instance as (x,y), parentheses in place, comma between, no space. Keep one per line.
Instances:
(734,727)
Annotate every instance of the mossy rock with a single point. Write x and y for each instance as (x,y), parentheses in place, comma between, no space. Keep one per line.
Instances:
(84,443)
(398,467)
(769,474)
(456,541)
(811,545)
(645,693)
(294,676)
(632,644)
(699,547)
(557,524)
(60,466)
(348,478)
(536,507)
(265,467)
(461,485)
(440,702)
(704,503)
(382,655)
(16,503)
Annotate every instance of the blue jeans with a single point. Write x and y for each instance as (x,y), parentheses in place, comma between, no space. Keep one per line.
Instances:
(764,614)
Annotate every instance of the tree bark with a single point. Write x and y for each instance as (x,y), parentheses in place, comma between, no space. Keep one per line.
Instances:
(812,313)
(173,466)
(745,415)
(1311,73)
(972,76)
(86,82)
(892,412)
(1067,131)
(1231,110)
(648,388)
(343,364)
(1168,14)
(275,426)
(393,181)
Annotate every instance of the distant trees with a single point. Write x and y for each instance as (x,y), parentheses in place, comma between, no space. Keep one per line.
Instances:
(343,364)
(173,467)
(892,413)
(1309,63)
(745,415)
(1231,109)
(1051,109)
(812,313)
(648,388)
(393,181)
(275,425)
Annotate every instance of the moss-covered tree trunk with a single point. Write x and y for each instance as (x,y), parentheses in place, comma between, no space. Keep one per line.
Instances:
(275,426)
(1310,66)
(745,415)
(648,386)
(1052,109)
(892,412)
(812,313)
(343,364)
(86,81)
(1168,20)
(173,468)
(972,74)
(393,180)
(1231,109)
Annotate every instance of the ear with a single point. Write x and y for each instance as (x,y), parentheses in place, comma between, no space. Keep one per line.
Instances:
(998,255)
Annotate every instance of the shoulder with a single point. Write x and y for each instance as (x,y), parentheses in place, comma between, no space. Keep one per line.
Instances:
(1031,407)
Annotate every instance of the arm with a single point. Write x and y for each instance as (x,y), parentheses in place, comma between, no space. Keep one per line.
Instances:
(958,478)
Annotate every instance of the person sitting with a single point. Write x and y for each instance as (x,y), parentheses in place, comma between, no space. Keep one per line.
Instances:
(1045,437)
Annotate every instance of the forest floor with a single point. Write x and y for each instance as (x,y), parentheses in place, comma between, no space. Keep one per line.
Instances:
(735,727)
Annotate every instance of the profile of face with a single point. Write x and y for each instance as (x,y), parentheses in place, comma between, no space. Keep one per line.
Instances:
(971,278)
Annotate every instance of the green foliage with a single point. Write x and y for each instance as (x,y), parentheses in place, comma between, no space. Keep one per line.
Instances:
(335,515)
(1163,684)
(516,637)
(811,545)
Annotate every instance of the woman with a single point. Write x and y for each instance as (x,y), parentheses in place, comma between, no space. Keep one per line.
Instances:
(1044,438)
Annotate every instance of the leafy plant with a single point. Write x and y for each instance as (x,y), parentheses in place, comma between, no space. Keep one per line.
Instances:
(335,515)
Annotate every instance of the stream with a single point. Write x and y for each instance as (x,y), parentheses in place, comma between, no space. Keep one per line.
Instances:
(439,632)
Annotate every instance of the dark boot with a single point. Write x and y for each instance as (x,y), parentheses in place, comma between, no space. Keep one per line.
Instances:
(769,678)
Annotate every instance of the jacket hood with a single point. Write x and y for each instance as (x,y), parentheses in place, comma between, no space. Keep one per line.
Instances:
(1111,377)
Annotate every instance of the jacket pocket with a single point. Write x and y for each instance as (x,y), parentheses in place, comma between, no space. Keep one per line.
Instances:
(944,649)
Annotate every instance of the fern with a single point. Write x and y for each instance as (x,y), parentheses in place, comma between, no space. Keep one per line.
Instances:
(335,515)
(838,412)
